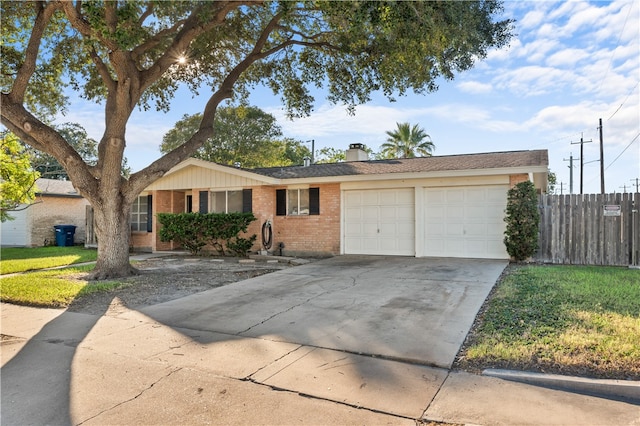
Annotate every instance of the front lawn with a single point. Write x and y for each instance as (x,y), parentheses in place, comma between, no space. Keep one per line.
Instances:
(51,289)
(574,320)
(22,259)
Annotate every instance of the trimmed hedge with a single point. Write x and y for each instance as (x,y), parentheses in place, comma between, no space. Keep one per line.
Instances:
(222,231)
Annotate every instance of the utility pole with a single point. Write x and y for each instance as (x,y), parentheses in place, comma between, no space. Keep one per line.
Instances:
(601,159)
(624,188)
(582,142)
(561,187)
(637,184)
(570,160)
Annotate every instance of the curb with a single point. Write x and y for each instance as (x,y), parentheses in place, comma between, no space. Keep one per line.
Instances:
(623,390)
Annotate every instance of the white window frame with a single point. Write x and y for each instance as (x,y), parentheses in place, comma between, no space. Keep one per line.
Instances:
(297,207)
(226,199)
(137,213)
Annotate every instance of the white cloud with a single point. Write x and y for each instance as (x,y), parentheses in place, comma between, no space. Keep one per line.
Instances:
(532,19)
(567,57)
(475,87)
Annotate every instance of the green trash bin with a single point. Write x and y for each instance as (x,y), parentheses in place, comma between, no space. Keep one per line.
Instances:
(64,235)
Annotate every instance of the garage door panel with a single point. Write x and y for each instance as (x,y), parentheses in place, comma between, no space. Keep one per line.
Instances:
(455,212)
(405,197)
(454,196)
(387,220)
(472,221)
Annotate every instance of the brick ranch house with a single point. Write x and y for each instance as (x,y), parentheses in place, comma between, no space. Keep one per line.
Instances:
(441,206)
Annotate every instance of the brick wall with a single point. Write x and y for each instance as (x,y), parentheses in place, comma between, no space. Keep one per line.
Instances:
(49,211)
(516,179)
(312,235)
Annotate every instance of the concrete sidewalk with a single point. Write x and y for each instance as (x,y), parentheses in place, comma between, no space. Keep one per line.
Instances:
(260,352)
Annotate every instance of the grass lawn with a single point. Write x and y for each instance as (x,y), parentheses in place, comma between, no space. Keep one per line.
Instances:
(22,259)
(575,320)
(53,289)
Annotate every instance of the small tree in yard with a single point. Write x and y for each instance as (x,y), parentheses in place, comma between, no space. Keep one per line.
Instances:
(137,54)
(523,219)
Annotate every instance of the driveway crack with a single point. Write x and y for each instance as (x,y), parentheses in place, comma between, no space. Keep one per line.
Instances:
(142,392)
(286,310)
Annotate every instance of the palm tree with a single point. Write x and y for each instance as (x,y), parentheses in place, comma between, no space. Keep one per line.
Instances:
(407,142)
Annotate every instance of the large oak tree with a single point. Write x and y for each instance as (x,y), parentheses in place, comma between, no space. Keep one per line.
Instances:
(130,54)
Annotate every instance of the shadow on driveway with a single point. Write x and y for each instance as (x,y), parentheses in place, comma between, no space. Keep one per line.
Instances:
(331,329)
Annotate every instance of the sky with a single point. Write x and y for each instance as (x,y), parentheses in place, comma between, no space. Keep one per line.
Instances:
(570,64)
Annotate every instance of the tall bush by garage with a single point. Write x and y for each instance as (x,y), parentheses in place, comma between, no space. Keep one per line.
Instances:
(523,221)
(193,231)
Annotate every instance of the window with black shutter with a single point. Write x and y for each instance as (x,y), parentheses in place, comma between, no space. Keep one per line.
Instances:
(149,213)
(246,201)
(314,201)
(281,202)
(298,202)
(204,202)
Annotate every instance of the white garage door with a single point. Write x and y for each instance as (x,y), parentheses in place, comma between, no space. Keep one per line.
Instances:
(465,222)
(14,232)
(379,222)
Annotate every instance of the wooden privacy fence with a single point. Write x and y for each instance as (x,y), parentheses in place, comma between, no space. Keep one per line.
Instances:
(91,241)
(593,229)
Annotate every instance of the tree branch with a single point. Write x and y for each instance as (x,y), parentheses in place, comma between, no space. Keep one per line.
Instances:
(156,39)
(78,22)
(21,82)
(148,11)
(110,16)
(191,29)
(103,70)
(44,138)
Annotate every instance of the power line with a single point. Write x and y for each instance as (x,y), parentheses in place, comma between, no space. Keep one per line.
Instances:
(627,147)
(623,102)
(613,52)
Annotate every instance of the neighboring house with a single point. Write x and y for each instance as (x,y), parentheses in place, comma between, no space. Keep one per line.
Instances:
(57,203)
(434,206)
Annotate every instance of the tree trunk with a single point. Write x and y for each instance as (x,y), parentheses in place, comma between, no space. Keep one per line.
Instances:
(113,232)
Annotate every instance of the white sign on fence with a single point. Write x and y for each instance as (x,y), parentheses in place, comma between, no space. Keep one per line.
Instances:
(612,210)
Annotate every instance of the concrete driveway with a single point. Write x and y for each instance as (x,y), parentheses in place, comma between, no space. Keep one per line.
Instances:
(417,310)
(334,330)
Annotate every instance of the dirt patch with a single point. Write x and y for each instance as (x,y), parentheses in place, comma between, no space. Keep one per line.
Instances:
(171,277)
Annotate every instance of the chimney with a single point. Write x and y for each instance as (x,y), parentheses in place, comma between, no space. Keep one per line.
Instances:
(307,161)
(356,152)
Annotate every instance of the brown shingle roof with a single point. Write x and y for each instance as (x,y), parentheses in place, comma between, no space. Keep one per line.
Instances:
(492,160)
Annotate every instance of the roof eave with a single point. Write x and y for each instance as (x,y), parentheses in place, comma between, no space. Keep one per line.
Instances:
(416,175)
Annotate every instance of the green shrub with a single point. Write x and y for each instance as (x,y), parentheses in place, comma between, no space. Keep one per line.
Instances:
(193,231)
(185,229)
(241,246)
(523,219)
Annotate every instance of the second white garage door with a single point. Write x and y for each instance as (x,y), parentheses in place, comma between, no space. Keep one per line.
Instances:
(465,222)
(379,222)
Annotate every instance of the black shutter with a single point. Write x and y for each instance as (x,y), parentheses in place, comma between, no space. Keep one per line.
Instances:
(281,202)
(204,202)
(149,213)
(246,201)
(314,201)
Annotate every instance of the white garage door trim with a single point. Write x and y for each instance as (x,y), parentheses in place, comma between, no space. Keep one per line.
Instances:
(465,221)
(379,221)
